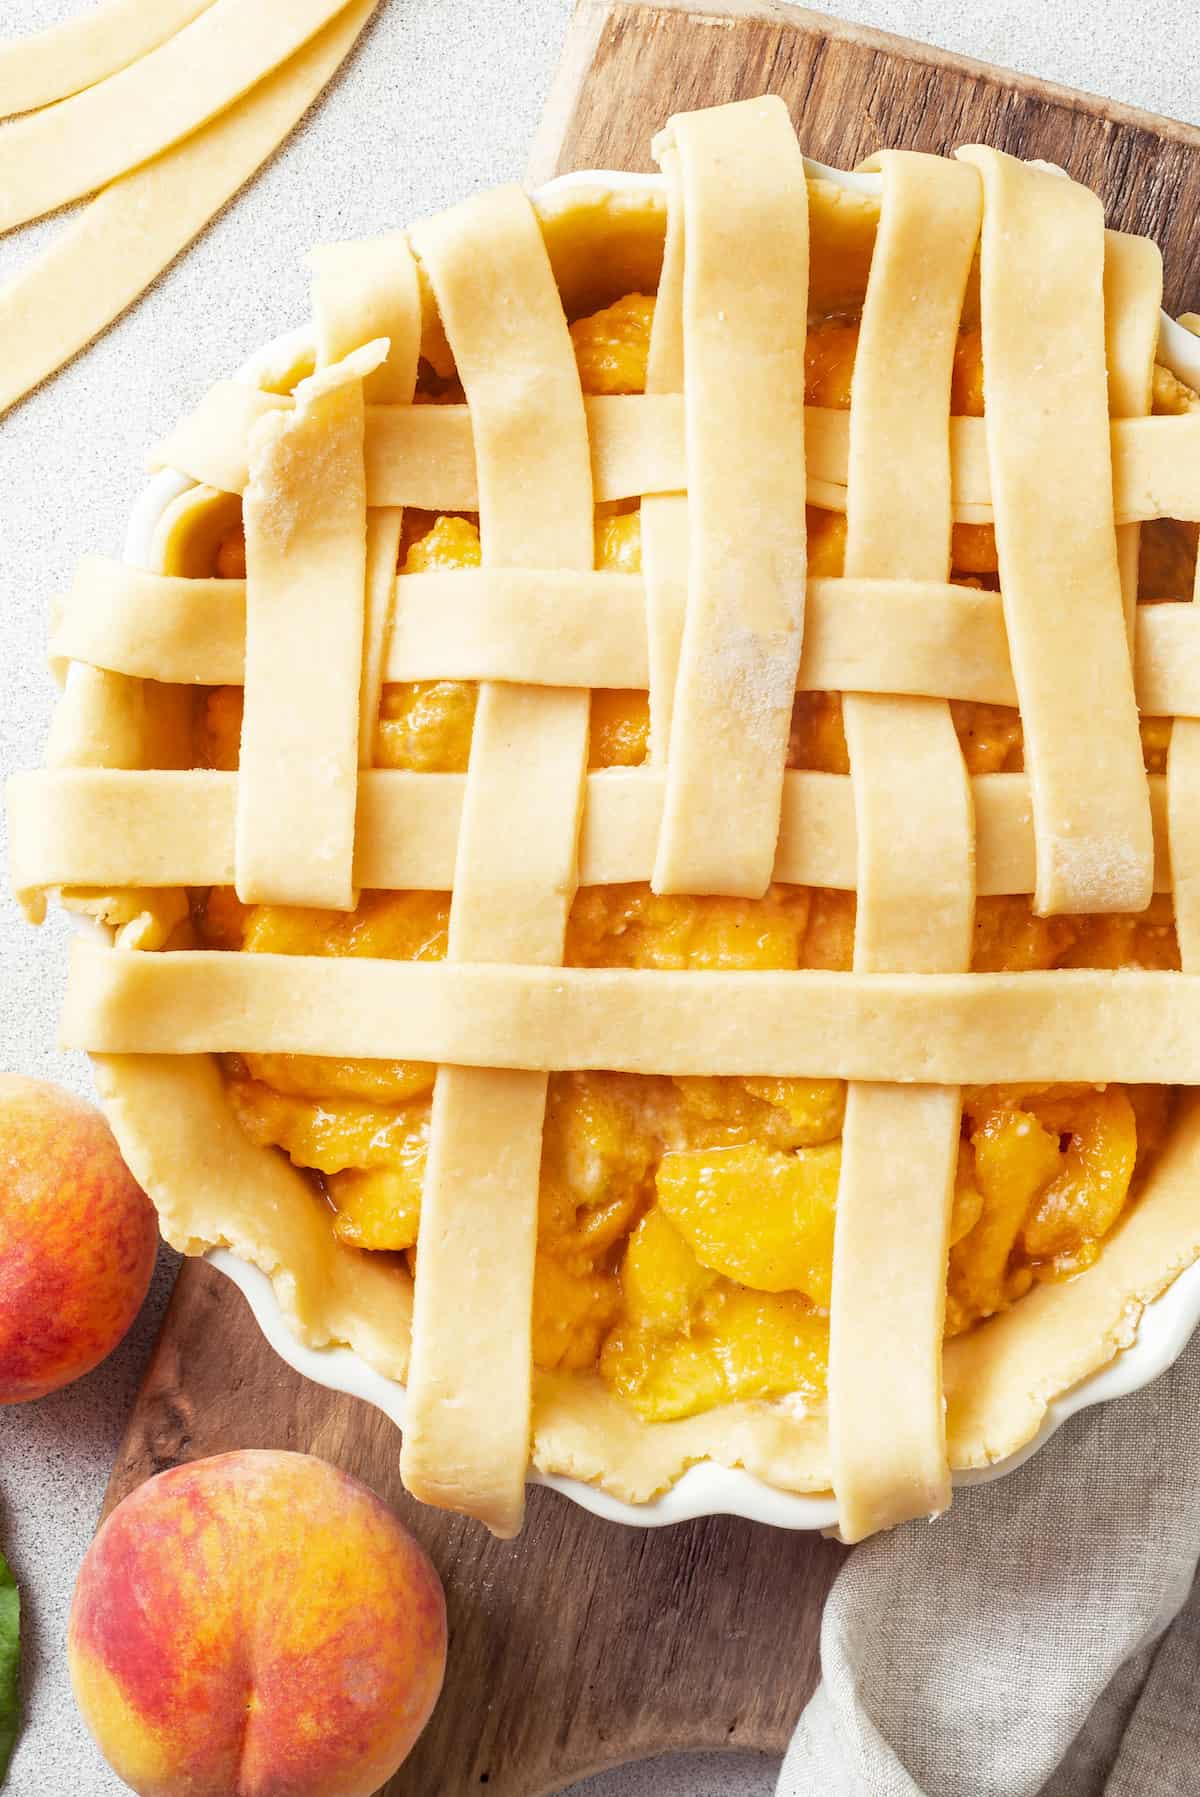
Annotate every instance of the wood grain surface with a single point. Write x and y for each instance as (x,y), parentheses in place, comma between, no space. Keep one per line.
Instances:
(585,1644)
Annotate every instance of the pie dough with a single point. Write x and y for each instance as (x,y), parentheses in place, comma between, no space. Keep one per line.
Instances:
(720,632)
(100,262)
(83,50)
(73,148)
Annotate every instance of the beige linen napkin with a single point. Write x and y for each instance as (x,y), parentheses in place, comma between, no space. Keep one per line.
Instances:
(1031,1643)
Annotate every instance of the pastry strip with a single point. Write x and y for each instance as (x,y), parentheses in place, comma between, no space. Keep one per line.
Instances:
(363,292)
(891,1240)
(1183,802)
(740,175)
(664,516)
(305,519)
(1041,269)
(555,627)
(422,455)
(1183,809)
(76,146)
(467,1434)
(152,626)
(105,826)
(934,1028)
(384,526)
(426,454)
(101,261)
(916,866)
(1132,301)
(50,64)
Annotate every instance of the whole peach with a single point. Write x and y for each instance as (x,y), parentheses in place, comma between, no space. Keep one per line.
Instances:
(77,1239)
(256,1625)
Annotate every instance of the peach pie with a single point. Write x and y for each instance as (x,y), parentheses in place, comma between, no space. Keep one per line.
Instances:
(640,821)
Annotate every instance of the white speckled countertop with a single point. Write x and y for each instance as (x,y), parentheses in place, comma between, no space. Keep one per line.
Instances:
(440,98)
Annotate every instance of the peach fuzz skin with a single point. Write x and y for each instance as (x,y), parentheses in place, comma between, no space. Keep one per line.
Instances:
(256,1625)
(77,1239)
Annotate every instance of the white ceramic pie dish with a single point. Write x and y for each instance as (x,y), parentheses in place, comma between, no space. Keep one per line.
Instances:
(707,1488)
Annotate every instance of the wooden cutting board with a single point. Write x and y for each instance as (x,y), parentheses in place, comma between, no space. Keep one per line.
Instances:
(585,1644)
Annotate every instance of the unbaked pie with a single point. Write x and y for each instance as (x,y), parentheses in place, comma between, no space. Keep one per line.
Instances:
(569,620)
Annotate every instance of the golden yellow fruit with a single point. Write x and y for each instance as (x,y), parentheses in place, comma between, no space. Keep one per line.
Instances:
(451,542)
(814,1108)
(425,726)
(612,345)
(572,1312)
(619,732)
(1014,1158)
(618,537)
(1085,1198)
(395,926)
(321,1076)
(759,1217)
(327,1135)
(829,352)
(661,1278)
(380,1207)
(749,1345)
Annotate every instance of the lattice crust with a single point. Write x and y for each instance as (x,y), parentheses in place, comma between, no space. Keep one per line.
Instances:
(721,629)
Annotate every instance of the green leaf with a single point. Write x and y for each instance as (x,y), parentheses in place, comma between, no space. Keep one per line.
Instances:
(10,1664)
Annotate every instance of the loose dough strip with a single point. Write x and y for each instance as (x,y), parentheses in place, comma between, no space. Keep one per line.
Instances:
(85,49)
(78,145)
(561,628)
(1041,273)
(740,175)
(916,868)
(305,516)
(468,1422)
(100,263)
(423,455)
(900,1028)
(106,826)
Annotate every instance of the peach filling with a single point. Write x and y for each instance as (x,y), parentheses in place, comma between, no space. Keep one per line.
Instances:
(686,1225)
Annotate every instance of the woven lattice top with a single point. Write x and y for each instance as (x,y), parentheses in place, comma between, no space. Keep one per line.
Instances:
(721,630)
